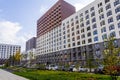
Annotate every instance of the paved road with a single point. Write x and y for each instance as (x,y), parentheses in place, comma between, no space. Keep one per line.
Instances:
(4,75)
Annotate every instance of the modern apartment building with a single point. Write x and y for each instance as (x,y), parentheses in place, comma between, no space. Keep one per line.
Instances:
(7,50)
(31,43)
(82,34)
(28,56)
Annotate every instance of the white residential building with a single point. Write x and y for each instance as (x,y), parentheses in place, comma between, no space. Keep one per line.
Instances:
(7,50)
(81,34)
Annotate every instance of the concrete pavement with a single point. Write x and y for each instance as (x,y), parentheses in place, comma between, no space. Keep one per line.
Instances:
(4,75)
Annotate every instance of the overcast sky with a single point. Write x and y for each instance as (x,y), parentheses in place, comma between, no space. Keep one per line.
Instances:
(18,18)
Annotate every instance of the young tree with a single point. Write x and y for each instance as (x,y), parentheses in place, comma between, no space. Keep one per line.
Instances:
(31,55)
(90,62)
(17,58)
(111,58)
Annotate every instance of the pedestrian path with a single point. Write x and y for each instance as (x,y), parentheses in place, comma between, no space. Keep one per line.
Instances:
(4,75)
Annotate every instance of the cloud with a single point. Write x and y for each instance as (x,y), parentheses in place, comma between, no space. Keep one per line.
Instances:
(9,32)
(78,6)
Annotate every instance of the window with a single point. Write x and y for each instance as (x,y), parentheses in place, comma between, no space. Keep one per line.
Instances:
(109,13)
(63,28)
(106,44)
(116,2)
(68,35)
(64,32)
(86,11)
(110,20)
(78,37)
(82,30)
(93,20)
(72,19)
(72,29)
(64,41)
(78,32)
(100,10)
(77,27)
(82,25)
(67,22)
(95,39)
(68,45)
(63,24)
(87,17)
(60,34)
(119,25)
(111,27)
(118,17)
(103,29)
(81,14)
(73,44)
(95,32)
(64,37)
(88,28)
(83,36)
(88,22)
(68,40)
(106,1)
(89,34)
(98,54)
(101,16)
(117,10)
(81,19)
(78,43)
(68,31)
(94,26)
(104,36)
(67,26)
(73,39)
(113,34)
(77,22)
(97,46)
(108,6)
(76,17)
(92,14)
(72,24)
(92,9)
(83,42)
(102,23)
(73,34)
(115,43)
(100,4)
(89,40)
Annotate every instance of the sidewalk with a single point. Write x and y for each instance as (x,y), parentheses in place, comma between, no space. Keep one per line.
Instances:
(4,75)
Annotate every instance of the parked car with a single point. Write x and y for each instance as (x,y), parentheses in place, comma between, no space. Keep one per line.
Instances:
(75,69)
(81,69)
(99,70)
(62,68)
(71,68)
(52,67)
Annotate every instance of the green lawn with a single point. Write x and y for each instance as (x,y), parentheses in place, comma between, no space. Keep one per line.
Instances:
(59,75)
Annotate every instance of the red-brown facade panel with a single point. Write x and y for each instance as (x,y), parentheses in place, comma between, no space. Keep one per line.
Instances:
(54,16)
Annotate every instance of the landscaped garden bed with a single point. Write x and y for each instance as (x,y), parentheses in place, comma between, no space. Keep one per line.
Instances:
(59,75)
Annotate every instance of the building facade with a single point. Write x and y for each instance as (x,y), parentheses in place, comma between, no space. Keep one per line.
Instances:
(7,50)
(29,56)
(31,43)
(82,34)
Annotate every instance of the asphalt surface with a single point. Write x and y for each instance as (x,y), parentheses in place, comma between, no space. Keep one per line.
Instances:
(4,75)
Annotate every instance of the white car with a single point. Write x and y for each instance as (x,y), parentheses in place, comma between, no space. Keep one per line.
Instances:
(52,67)
(81,69)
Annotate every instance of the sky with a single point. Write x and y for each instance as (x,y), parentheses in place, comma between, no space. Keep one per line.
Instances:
(18,18)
